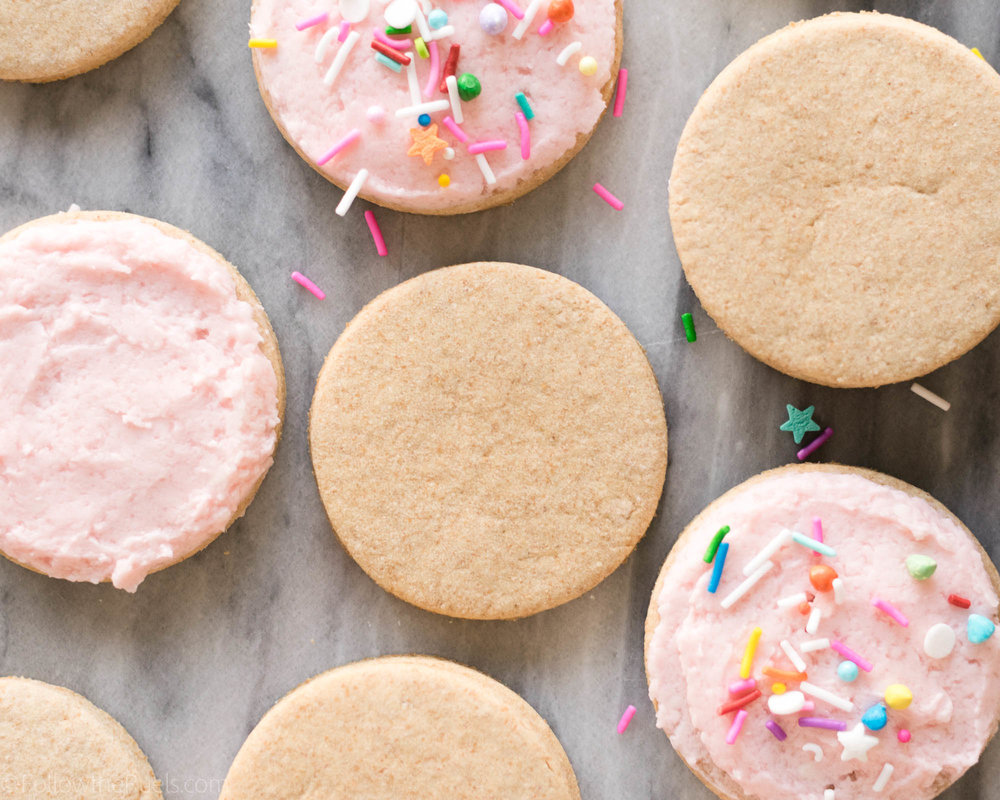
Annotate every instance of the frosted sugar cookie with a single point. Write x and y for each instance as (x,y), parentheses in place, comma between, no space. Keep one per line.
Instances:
(56,745)
(402,725)
(438,108)
(143,395)
(833,204)
(488,439)
(45,40)
(866,669)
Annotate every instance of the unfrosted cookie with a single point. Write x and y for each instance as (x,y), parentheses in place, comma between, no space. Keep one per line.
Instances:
(143,395)
(45,40)
(323,92)
(833,199)
(488,439)
(889,638)
(401,726)
(56,745)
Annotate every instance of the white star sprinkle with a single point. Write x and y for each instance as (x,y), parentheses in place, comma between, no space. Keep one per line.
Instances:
(856,743)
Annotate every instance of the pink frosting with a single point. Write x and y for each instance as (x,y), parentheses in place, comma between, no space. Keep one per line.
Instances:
(139,409)
(316,116)
(696,649)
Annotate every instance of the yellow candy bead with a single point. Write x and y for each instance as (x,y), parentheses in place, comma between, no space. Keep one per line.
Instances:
(444,180)
(898,697)
(588,65)
(778,688)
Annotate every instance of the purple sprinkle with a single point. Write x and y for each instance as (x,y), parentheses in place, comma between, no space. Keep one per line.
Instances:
(814,445)
(776,729)
(822,722)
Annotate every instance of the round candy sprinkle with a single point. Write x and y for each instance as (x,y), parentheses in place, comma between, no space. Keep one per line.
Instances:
(979,628)
(778,688)
(920,567)
(448,153)
(805,608)
(493,19)
(903,735)
(469,86)
(898,697)
(822,576)
(437,19)
(375,114)
(939,641)
(560,11)
(875,717)
(588,65)
(424,120)
(400,13)
(444,180)
(847,671)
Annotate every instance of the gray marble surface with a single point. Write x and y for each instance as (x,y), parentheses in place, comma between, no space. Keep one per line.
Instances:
(175,129)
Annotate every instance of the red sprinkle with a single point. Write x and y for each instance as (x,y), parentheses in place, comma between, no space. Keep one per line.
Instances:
(450,65)
(958,600)
(389,52)
(739,702)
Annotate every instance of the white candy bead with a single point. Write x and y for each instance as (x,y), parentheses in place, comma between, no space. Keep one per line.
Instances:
(939,641)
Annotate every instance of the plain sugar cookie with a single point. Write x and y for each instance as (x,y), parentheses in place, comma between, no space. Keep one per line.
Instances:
(143,395)
(869,668)
(488,439)
(45,40)
(833,199)
(56,745)
(401,726)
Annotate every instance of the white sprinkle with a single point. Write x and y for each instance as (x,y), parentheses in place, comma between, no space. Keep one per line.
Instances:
(529,17)
(425,29)
(838,591)
(324,43)
(441,33)
(411,79)
(827,697)
(342,53)
(792,600)
(815,749)
(793,656)
(568,50)
(767,551)
(883,778)
(814,644)
(814,617)
(453,97)
(930,397)
(352,191)
(422,108)
(828,794)
(748,584)
(484,167)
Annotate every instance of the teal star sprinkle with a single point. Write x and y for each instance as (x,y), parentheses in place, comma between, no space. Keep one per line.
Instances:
(799,422)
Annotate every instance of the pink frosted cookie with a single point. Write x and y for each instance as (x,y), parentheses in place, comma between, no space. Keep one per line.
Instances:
(374,113)
(143,395)
(852,672)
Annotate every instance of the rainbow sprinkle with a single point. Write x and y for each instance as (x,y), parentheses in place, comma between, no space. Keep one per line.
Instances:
(736,727)
(608,198)
(751,649)
(814,445)
(263,44)
(376,233)
(713,545)
(620,91)
(720,563)
(309,22)
(891,610)
(626,719)
(305,283)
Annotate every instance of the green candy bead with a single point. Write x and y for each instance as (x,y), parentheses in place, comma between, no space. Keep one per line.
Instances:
(469,86)
(920,567)
(422,50)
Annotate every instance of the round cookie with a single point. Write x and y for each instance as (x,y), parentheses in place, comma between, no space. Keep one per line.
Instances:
(144,394)
(57,745)
(414,725)
(488,440)
(695,641)
(832,199)
(46,40)
(403,159)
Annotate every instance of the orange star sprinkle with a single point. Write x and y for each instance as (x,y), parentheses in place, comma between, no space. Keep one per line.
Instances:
(426,143)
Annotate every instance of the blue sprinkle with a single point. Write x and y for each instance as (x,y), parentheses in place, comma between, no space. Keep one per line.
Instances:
(812,544)
(388,62)
(529,113)
(847,671)
(437,19)
(979,628)
(720,562)
(424,119)
(875,717)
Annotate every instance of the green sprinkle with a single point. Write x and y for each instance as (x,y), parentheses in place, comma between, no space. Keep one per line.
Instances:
(799,422)
(397,31)
(422,50)
(522,101)
(920,567)
(388,62)
(469,86)
(713,546)
(688,321)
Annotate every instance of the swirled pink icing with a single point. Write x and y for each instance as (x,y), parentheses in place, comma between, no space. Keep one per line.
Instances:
(566,103)
(139,409)
(696,649)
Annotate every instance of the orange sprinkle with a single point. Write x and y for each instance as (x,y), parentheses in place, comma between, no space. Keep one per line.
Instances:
(822,576)
(784,674)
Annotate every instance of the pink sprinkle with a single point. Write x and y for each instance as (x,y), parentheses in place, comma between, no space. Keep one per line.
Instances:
(626,719)
(482,147)
(742,687)
(458,133)
(309,22)
(814,445)
(817,534)
(522,126)
(435,73)
(620,92)
(304,282)
(546,28)
(808,705)
(395,44)
(903,735)
(891,610)
(736,727)
(608,198)
(850,655)
(512,7)
(345,28)
(376,233)
(352,137)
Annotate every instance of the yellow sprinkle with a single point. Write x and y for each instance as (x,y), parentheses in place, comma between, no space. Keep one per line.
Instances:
(748,654)
(588,65)
(778,688)
(268,43)
(976,51)
(898,696)
(444,180)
